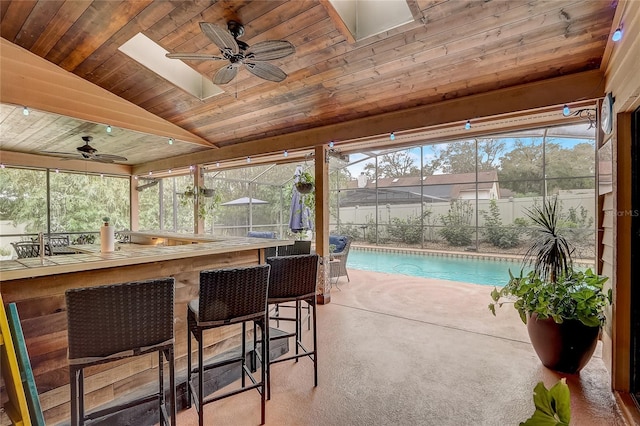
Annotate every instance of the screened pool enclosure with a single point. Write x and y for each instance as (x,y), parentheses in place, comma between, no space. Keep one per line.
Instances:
(462,195)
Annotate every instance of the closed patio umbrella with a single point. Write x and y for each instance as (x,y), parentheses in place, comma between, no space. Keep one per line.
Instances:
(300,215)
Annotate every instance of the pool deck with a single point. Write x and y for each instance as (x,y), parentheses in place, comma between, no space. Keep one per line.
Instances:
(450,253)
(398,350)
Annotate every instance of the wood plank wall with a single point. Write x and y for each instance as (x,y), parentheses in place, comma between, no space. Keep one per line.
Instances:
(41,305)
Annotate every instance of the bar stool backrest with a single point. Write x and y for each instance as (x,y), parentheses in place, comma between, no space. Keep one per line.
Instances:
(293,277)
(233,294)
(107,320)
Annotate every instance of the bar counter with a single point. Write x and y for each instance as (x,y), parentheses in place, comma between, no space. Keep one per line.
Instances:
(37,287)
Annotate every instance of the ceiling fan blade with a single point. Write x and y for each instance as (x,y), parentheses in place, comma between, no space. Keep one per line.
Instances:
(194,56)
(62,155)
(102,160)
(108,157)
(269,50)
(221,37)
(226,74)
(266,71)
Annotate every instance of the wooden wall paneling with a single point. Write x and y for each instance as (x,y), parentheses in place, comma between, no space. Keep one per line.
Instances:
(58,25)
(622,268)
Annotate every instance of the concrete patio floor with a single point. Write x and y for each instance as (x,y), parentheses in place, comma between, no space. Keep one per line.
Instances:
(398,350)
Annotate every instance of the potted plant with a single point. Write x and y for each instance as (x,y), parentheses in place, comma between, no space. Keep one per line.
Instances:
(208,199)
(564,309)
(304,185)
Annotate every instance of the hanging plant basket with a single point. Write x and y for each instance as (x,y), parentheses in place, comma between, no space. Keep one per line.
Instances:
(304,187)
(207,192)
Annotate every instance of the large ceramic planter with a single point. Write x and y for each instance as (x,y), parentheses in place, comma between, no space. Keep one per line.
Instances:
(565,347)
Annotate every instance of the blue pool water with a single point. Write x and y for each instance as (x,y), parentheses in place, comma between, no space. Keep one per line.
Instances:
(485,272)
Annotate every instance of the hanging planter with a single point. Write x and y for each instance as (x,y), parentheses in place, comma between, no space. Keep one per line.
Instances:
(305,183)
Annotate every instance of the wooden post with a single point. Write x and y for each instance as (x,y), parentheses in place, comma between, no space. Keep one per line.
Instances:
(134,204)
(322,222)
(198,181)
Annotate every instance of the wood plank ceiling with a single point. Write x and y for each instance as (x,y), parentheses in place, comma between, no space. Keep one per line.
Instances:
(452,49)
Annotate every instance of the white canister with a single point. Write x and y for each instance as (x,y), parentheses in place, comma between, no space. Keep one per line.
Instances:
(107,238)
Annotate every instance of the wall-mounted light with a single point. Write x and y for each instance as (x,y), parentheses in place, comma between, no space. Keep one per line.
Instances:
(248,159)
(170,141)
(108,129)
(191,168)
(25,111)
(150,172)
(135,177)
(392,136)
(217,164)
(467,125)
(170,171)
(617,34)
(57,170)
(285,153)
(588,114)
(101,175)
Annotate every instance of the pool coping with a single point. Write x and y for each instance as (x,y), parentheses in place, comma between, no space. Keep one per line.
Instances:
(468,255)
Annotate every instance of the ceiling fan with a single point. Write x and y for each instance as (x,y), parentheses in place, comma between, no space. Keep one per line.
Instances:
(88,152)
(238,53)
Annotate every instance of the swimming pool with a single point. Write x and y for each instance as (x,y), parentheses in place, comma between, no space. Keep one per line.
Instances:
(469,270)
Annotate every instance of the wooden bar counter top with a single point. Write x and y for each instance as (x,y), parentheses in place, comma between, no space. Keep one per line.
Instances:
(37,286)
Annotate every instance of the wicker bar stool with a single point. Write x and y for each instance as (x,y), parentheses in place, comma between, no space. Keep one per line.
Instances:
(112,322)
(294,279)
(228,296)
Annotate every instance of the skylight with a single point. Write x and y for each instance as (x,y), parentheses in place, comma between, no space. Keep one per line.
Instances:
(366,18)
(148,53)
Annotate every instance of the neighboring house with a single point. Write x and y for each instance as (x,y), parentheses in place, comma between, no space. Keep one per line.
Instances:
(429,189)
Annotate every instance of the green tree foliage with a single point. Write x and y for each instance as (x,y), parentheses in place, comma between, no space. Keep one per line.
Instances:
(457,228)
(460,157)
(408,231)
(392,165)
(495,232)
(78,201)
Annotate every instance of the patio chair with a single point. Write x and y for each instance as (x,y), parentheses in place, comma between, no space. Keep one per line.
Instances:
(342,245)
(298,247)
(58,241)
(294,279)
(269,251)
(112,322)
(228,297)
(25,249)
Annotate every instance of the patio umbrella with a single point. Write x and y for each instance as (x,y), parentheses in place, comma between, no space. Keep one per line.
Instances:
(243,201)
(246,201)
(300,215)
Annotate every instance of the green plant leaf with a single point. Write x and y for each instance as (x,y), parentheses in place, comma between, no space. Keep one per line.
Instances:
(561,397)
(553,407)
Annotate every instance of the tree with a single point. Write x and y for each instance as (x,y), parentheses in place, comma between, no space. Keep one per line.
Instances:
(460,157)
(521,168)
(392,165)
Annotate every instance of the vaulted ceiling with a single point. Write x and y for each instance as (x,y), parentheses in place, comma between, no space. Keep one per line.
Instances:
(451,49)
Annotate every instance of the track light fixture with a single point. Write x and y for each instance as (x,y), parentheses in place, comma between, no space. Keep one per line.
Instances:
(566,111)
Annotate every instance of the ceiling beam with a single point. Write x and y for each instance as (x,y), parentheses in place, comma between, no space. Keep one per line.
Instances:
(526,97)
(27,79)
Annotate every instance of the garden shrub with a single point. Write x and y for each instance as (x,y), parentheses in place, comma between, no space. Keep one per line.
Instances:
(497,234)
(457,228)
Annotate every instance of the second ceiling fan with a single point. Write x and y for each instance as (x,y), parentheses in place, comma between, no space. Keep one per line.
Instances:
(238,53)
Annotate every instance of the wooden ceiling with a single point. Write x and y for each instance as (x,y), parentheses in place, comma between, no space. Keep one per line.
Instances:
(452,49)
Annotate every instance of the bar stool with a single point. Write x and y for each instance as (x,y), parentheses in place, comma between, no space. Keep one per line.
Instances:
(112,322)
(294,279)
(228,296)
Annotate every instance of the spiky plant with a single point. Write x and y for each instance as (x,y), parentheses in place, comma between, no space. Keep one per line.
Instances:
(550,254)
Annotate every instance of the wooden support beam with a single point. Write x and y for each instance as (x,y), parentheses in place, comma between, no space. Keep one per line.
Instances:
(29,80)
(322,221)
(526,97)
